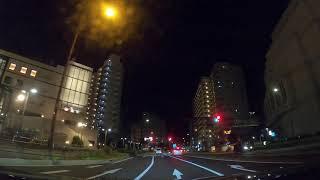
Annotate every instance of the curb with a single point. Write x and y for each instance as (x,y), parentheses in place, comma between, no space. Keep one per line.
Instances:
(35,163)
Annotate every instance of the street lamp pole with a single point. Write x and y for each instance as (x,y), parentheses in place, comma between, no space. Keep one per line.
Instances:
(56,106)
(109,12)
(25,103)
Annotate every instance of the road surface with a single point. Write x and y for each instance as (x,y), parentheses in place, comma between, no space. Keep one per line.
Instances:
(159,167)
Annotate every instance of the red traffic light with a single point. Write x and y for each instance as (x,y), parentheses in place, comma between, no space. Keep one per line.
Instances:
(216,118)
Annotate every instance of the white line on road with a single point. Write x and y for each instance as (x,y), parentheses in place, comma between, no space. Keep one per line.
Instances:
(94,166)
(146,170)
(104,173)
(54,172)
(245,161)
(210,170)
(122,160)
(239,167)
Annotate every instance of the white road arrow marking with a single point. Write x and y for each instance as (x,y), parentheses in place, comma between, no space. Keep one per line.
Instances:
(177,173)
(104,173)
(202,167)
(53,172)
(239,167)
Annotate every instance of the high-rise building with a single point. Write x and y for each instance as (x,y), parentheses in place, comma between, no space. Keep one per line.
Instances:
(203,106)
(203,103)
(105,100)
(230,95)
(292,75)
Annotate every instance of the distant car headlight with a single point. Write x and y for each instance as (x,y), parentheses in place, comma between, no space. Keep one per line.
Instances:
(251,147)
(245,147)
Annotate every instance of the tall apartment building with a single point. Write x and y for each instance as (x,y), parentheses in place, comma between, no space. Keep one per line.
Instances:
(105,100)
(203,110)
(230,95)
(28,93)
(292,75)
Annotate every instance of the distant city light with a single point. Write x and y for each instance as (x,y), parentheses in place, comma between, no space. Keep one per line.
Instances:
(275,89)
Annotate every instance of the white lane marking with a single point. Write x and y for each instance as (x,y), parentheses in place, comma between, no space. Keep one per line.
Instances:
(206,177)
(122,160)
(177,174)
(210,170)
(239,167)
(104,173)
(246,161)
(146,170)
(54,172)
(94,166)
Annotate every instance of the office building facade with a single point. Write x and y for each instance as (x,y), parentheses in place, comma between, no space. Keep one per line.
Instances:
(105,100)
(29,90)
(292,74)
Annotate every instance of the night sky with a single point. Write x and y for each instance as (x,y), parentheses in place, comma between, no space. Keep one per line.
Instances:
(170,45)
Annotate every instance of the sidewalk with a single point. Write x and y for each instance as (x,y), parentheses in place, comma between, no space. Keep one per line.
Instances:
(29,162)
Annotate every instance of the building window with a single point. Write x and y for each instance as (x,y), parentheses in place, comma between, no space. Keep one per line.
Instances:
(19,83)
(33,73)
(8,80)
(12,66)
(23,70)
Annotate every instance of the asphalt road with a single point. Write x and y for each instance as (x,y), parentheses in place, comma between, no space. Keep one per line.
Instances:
(159,167)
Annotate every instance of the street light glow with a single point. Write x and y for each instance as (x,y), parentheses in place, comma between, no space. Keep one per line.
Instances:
(109,130)
(275,89)
(33,91)
(21,97)
(80,124)
(109,11)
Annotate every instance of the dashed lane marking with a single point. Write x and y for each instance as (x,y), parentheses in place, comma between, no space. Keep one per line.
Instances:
(94,166)
(122,160)
(54,172)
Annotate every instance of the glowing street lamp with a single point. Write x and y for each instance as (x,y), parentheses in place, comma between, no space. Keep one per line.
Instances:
(21,97)
(275,90)
(109,12)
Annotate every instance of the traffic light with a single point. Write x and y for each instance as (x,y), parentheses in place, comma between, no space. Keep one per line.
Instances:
(216,118)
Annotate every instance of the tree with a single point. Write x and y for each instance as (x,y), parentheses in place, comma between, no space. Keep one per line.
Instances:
(76,141)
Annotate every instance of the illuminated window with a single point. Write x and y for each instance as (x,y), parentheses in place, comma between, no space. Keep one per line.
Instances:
(207,96)
(23,70)
(206,87)
(12,66)
(207,91)
(33,73)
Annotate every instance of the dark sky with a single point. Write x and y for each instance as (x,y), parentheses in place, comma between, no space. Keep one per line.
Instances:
(178,41)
